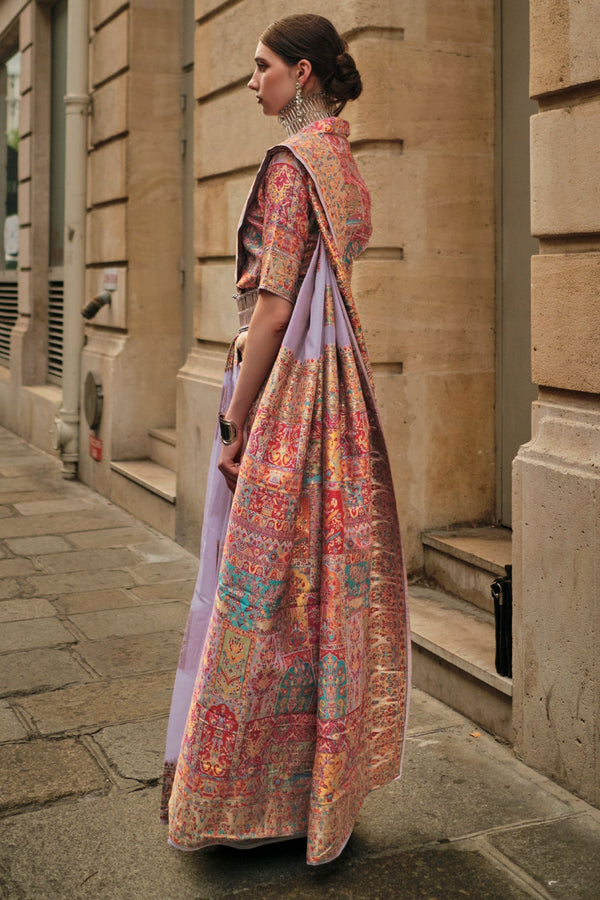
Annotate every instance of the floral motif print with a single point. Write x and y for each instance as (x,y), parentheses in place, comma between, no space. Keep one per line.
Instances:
(279,232)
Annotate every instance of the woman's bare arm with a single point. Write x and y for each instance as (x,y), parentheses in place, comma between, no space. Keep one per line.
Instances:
(265,334)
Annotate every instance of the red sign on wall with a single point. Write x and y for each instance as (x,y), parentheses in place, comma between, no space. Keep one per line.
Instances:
(96,448)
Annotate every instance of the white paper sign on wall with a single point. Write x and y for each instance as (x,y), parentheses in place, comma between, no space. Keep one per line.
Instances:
(110,279)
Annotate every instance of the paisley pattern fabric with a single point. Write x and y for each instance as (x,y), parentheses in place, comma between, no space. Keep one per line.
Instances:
(298,701)
(279,232)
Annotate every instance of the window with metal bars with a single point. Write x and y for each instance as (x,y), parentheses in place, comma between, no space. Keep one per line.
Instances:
(55,331)
(9,310)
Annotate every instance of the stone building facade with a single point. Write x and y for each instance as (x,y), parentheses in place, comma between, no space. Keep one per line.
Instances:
(441,136)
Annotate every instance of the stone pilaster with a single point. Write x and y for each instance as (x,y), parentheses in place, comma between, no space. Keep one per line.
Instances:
(556,495)
(134,224)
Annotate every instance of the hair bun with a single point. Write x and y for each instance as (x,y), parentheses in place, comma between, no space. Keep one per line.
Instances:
(346,83)
(344,60)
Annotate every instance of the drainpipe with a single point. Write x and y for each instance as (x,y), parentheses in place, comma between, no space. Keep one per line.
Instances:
(66,424)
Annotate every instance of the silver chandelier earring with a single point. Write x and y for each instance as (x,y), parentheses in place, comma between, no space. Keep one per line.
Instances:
(299,101)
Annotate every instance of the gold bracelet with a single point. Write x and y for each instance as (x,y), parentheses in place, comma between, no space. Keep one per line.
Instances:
(228,430)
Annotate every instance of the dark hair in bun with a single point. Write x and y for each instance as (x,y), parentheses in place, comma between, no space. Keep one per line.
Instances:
(314,38)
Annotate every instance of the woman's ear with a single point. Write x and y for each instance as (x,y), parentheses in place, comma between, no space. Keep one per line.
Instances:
(304,71)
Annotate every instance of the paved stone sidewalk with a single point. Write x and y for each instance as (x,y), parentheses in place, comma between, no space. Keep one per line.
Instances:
(92,608)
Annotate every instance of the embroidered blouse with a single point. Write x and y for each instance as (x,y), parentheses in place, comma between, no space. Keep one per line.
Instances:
(279,233)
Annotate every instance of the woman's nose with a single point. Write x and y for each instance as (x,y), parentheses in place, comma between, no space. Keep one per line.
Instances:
(252,83)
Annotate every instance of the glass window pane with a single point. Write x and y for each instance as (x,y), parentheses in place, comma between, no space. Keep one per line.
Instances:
(9,156)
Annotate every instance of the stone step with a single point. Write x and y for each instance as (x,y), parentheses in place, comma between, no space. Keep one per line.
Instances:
(163,447)
(465,561)
(147,490)
(453,646)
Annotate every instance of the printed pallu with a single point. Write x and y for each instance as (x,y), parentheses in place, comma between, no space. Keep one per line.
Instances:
(295,680)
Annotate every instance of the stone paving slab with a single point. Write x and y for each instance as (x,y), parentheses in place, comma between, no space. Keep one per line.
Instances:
(10,727)
(26,608)
(34,633)
(38,771)
(563,856)
(132,655)
(39,494)
(182,569)
(33,546)
(421,875)
(169,590)
(16,567)
(53,585)
(88,706)
(23,468)
(136,749)
(428,714)
(28,459)
(17,485)
(106,848)
(36,670)
(455,785)
(94,601)
(52,507)
(123,536)
(162,552)
(132,620)
(30,526)
(9,587)
(83,560)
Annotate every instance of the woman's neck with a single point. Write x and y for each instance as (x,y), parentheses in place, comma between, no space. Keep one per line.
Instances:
(297,114)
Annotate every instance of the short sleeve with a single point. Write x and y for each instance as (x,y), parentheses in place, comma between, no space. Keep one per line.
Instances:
(286,226)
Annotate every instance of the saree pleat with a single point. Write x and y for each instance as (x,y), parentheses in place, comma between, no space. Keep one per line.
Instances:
(214,530)
(299,704)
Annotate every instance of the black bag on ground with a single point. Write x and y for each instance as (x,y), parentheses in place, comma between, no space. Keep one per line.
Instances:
(502,597)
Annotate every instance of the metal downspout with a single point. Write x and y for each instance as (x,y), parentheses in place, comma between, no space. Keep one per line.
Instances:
(76,109)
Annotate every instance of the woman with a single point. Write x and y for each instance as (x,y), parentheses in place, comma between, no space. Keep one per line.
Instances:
(291,695)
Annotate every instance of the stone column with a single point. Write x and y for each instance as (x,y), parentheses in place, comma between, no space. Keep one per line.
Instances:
(557,475)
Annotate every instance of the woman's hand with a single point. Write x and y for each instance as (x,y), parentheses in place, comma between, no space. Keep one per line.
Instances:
(230,458)
(263,340)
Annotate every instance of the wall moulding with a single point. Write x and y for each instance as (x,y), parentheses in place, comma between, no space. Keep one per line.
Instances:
(9,25)
(104,11)
(570,243)
(568,436)
(569,96)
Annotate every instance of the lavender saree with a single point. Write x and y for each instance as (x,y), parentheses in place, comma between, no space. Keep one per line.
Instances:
(291,695)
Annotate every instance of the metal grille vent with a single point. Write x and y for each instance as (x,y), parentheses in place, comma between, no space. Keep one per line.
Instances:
(9,311)
(55,330)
